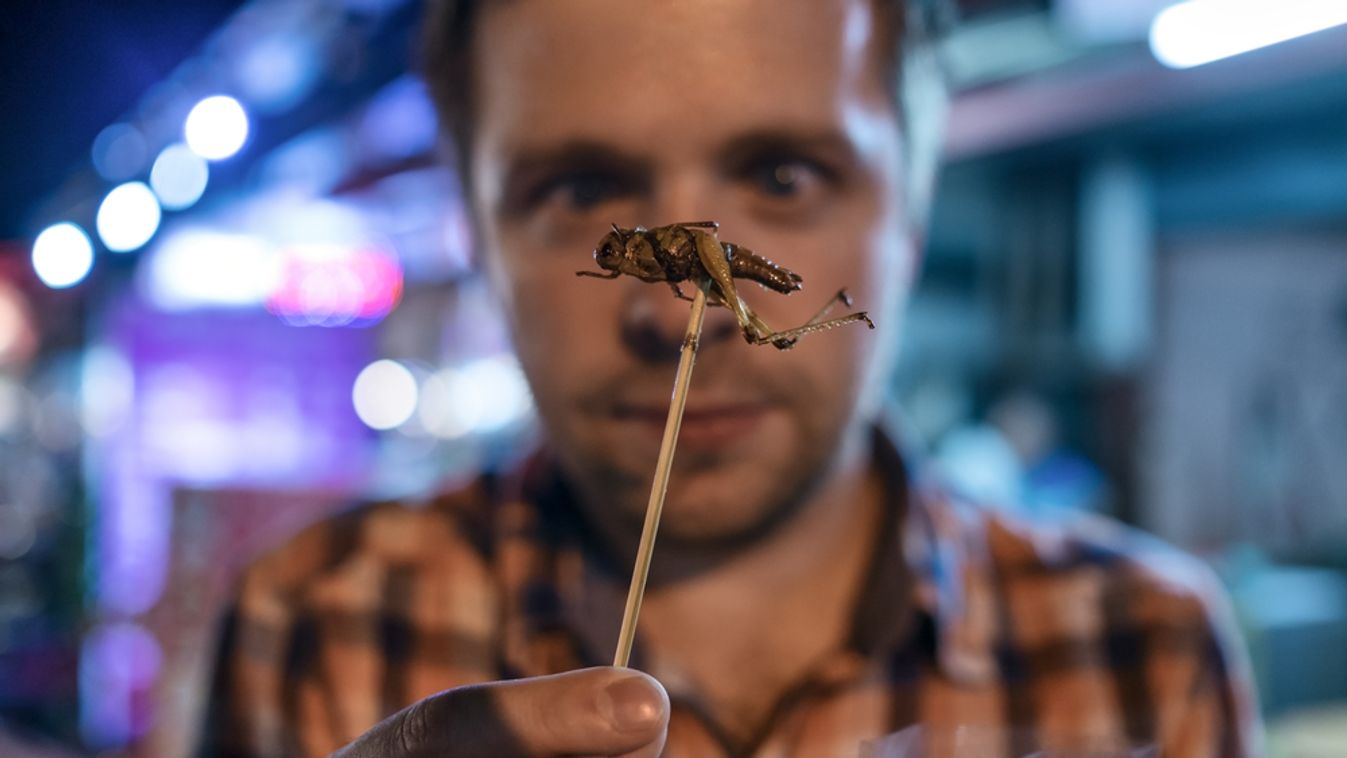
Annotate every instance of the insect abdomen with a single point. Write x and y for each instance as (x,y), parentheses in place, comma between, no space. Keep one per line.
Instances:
(746,264)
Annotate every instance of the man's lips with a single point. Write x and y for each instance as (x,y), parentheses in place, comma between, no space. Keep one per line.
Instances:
(704,423)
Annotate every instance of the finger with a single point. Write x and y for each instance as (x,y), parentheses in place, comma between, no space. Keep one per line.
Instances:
(599,711)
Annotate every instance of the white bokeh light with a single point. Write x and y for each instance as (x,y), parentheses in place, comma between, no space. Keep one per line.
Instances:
(385,395)
(62,255)
(179,177)
(201,267)
(1201,31)
(216,128)
(480,397)
(128,217)
(107,390)
(442,411)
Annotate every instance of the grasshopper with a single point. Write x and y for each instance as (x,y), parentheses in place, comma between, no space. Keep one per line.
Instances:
(693,252)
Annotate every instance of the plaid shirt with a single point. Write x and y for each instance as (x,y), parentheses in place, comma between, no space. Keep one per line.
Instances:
(992,636)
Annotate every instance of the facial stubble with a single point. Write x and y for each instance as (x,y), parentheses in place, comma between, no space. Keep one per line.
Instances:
(709,483)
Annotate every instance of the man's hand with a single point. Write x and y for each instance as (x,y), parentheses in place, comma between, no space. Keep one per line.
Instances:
(598,711)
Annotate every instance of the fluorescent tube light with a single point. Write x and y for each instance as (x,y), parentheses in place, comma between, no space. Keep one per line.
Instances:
(1201,31)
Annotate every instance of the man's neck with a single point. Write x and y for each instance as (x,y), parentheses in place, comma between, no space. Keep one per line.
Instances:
(750,626)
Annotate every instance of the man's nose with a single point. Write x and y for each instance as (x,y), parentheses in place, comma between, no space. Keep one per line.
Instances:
(654,322)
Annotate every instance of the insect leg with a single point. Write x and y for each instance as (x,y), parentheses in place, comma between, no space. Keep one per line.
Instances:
(713,259)
(841,297)
(597,275)
(786,339)
(786,343)
(712,225)
(678,292)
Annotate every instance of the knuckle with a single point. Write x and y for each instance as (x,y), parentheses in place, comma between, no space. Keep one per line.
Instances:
(413,733)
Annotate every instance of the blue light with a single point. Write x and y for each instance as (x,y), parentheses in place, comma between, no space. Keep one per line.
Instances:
(399,121)
(62,255)
(216,128)
(128,217)
(179,177)
(119,152)
(278,72)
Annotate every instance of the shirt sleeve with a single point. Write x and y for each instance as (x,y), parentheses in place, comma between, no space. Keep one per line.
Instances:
(1222,717)
(245,710)
(265,650)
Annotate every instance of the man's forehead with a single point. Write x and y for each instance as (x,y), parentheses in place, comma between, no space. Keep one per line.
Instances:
(605,70)
(643,22)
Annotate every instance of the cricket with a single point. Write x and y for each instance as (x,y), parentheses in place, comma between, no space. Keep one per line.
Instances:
(693,252)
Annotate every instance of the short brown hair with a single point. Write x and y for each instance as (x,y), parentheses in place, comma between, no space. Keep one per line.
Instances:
(908,49)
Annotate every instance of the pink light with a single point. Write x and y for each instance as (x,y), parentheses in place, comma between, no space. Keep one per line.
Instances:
(18,341)
(326,286)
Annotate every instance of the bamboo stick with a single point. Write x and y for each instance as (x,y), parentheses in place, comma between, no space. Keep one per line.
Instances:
(636,592)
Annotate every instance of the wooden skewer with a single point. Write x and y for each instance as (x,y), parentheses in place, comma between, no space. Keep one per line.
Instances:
(636,592)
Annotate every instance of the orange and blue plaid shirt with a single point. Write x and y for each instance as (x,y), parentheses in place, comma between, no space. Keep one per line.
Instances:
(976,631)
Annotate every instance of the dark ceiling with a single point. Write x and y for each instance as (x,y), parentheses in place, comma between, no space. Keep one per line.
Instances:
(71,67)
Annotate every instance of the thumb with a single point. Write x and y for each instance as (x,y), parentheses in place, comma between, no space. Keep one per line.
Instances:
(598,711)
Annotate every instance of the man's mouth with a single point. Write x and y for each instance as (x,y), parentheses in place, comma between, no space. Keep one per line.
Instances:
(705,424)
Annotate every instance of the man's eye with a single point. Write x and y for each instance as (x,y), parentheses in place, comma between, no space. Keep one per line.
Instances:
(582,192)
(783,178)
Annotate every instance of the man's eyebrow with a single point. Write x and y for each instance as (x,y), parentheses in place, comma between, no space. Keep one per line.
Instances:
(531,163)
(825,141)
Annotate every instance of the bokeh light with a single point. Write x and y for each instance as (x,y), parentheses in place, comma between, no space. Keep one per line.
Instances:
(128,217)
(277,72)
(18,338)
(400,121)
(335,285)
(442,411)
(119,662)
(179,177)
(107,390)
(119,152)
(480,397)
(1202,31)
(385,395)
(216,128)
(204,268)
(62,255)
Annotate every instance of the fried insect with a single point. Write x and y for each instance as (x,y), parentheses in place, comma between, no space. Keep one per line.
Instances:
(692,252)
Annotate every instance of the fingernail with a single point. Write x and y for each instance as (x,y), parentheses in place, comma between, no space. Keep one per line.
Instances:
(631,704)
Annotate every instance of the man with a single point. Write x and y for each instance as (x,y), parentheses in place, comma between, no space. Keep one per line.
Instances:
(807,594)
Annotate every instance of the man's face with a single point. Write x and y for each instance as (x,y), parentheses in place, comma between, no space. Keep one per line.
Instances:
(771,119)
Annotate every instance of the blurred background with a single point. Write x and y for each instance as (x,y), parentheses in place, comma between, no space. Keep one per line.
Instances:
(236,292)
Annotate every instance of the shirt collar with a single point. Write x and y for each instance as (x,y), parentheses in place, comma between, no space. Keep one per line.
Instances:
(931,559)
(941,543)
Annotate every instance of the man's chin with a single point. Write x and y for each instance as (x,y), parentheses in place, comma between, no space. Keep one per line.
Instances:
(710,506)
(733,479)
